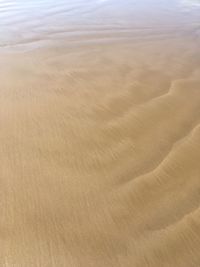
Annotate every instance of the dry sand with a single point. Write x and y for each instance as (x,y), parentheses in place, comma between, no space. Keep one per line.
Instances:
(100,133)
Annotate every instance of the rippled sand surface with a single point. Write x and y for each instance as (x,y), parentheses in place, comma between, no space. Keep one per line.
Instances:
(100,133)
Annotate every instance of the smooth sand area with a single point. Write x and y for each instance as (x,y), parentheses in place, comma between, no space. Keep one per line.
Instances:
(100,133)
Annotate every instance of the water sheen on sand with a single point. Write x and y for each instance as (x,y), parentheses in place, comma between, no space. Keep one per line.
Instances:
(100,133)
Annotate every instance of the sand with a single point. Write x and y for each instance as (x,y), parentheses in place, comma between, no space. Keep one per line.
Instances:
(100,133)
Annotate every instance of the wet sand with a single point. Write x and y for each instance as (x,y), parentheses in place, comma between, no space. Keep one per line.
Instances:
(100,133)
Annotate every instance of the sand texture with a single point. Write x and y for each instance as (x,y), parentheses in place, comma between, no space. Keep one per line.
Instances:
(100,133)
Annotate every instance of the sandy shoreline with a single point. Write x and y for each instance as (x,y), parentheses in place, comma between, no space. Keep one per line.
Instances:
(100,138)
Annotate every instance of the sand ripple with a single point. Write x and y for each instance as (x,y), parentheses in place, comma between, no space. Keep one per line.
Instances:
(100,134)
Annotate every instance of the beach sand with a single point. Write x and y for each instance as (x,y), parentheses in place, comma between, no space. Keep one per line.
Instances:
(100,134)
